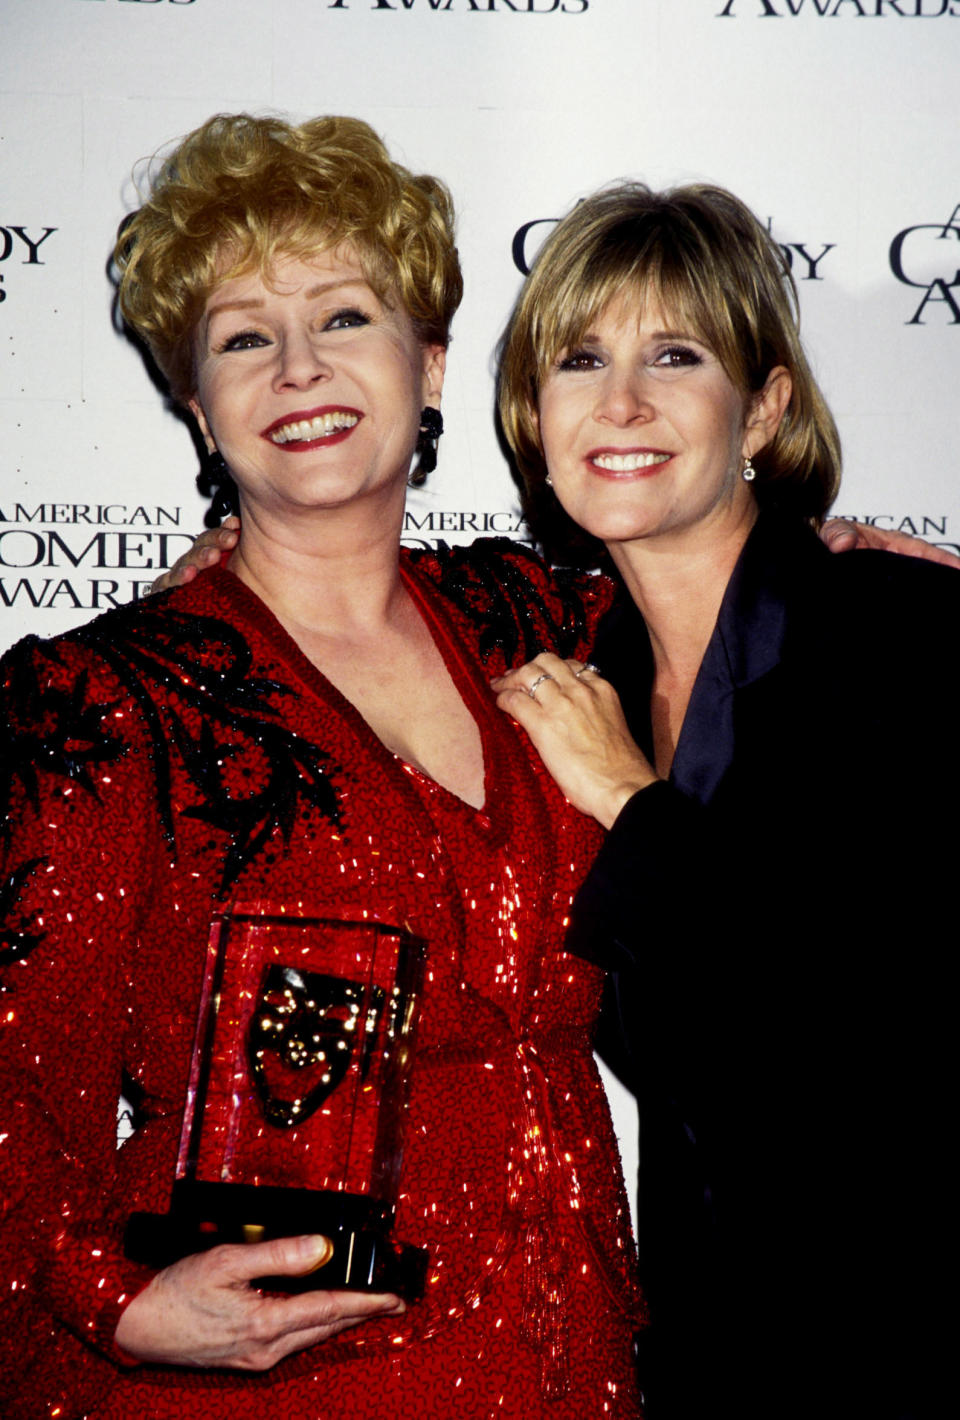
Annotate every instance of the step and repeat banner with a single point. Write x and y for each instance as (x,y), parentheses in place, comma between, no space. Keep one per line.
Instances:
(836,120)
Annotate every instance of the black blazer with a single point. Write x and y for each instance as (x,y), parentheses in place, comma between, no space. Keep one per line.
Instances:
(779,919)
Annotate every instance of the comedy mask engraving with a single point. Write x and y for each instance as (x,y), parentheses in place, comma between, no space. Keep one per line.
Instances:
(307,1028)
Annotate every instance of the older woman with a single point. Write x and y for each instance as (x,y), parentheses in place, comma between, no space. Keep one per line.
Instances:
(262,734)
(778,948)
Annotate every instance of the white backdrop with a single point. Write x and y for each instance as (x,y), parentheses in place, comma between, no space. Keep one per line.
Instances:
(835,119)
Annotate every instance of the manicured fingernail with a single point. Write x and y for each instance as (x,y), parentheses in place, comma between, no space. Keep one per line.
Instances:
(316,1252)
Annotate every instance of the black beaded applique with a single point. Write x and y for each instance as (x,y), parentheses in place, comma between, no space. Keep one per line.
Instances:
(53,731)
(20,934)
(502,596)
(206,664)
(56,731)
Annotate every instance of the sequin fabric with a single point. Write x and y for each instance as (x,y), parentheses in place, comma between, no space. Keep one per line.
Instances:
(168,759)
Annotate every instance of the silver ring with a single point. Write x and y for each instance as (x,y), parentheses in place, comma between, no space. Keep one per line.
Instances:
(532,690)
(583,670)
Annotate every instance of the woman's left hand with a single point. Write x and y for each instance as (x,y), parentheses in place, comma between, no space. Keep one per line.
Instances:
(574,718)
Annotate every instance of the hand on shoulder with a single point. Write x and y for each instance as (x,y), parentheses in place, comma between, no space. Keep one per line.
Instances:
(205,552)
(843,535)
(577,725)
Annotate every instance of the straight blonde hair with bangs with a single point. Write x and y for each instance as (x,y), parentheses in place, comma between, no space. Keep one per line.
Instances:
(700,255)
(240,191)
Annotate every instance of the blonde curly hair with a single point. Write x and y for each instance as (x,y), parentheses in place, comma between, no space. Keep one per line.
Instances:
(240,191)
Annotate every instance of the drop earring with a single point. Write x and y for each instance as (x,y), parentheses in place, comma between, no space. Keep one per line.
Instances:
(749,472)
(431,427)
(215,481)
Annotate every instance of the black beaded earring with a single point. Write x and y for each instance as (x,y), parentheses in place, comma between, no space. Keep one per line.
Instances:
(431,427)
(216,481)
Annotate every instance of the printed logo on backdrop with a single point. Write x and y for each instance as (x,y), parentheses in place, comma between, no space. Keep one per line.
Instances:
(926,525)
(837,9)
(432,528)
(84,556)
(91,556)
(20,247)
(801,257)
(479,7)
(930,264)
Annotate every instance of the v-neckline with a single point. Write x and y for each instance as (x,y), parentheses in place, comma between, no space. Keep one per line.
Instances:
(465,675)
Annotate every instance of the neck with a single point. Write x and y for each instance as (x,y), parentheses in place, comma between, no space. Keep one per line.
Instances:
(678,584)
(328,573)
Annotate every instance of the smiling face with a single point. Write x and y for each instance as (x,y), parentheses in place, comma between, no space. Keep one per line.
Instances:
(311,386)
(645,434)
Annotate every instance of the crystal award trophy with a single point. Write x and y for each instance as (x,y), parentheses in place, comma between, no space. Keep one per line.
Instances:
(295,1106)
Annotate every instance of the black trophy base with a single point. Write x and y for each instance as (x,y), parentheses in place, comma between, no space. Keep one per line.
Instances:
(204,1215)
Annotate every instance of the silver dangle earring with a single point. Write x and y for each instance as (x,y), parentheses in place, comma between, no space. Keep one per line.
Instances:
(749,472)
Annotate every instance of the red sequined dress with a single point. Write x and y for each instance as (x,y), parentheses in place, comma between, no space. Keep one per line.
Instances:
(173,757)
